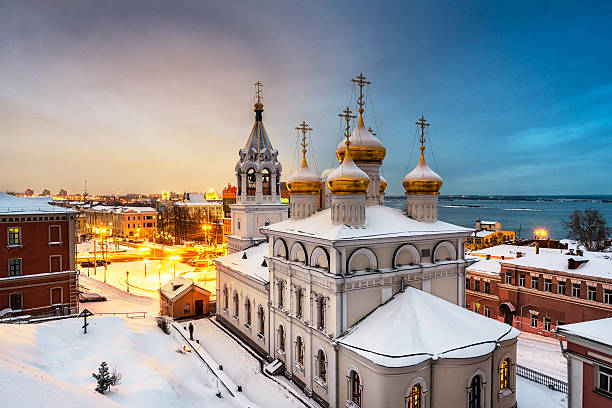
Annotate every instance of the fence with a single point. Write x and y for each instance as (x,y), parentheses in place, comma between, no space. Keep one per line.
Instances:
(540,378)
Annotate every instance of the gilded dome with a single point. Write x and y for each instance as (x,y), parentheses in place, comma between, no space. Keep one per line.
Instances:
(348,178)
(422,180)
(365,147)
(382,185)
(304,181)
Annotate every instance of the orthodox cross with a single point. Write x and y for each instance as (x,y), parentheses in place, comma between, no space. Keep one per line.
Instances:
(371,131)
(347,116)
(361,81)
(423,124)
(304,128)
(258,90)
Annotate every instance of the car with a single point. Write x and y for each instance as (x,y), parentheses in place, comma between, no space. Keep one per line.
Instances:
(87,264)
(91,297)
(101,262)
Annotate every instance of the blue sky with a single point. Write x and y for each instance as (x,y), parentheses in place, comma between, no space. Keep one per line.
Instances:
(151,96)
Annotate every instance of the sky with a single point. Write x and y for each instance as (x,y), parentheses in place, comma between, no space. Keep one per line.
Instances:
(151,96)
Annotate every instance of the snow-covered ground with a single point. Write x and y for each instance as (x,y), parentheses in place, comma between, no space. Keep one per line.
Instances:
(118,300)
(541,354)
(533,395)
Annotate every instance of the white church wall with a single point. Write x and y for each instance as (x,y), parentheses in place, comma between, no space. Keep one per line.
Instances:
(445,288)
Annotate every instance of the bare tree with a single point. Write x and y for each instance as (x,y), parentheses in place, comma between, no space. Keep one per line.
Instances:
(589,228)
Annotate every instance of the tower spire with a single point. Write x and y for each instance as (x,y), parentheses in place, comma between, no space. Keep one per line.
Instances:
(423,124)
(303,127)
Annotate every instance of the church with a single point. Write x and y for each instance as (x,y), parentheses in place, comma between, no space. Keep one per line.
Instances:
(359,304)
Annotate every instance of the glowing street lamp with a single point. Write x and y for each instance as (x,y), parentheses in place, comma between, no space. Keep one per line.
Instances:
(145,262)
(174,258)
(541,233)
(159,275)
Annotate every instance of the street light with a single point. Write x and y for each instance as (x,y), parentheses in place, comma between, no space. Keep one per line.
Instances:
(127,280)
(174,258)
(145,262)
(159,275)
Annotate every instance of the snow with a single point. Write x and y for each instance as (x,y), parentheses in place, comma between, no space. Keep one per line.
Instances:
(361,137)
(176,287)
(558,261)
(381,222)
(13,205)
(123,209)
(303,173)
(422,172)
(596,330)
(542,354)
(415,326)
(490,266)
(347,170)
(530,394)
(154,373)
(118,301)
(252,265)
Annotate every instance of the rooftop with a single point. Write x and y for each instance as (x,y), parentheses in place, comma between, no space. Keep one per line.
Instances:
(123,210)
(490,266)
(381,222)
(13,205)
(252,265)
(176,287)
(415,326)
(557,261)
(594,330)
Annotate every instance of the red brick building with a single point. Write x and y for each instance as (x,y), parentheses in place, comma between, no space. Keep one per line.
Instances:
(38,275)
(535,292)
(589,354)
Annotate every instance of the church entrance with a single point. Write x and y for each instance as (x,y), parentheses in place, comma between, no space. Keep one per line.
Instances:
(199,307)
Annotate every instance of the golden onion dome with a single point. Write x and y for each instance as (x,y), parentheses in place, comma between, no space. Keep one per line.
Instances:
(348,178)
(304,181)
(365,147)
(258,106)
(382,185)
(422,180)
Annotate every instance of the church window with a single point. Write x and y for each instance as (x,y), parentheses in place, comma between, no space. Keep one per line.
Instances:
(265,182)
(251,181)
(239,184)
(281,338)
(299,349)
(322,366)
(321,304)
(504,375)
(261,317)
(236,305)
(474,393)
(225,297)
(300,303)
(355,388)
(415,396)
(247,310)
(280,294)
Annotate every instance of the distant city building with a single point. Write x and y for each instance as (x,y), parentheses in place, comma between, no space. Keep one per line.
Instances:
(487,234)
(29,192)
(589,366)
(537,289)
(229,198)
(38,276)
(45,192)
(121,222)
(62,193)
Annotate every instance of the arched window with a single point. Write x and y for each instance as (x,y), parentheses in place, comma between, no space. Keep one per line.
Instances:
(299,304)
(239,176)
(322,366)
(265,182)
(321,303)
(225,297)
(415,397)
(247,310)
(266,222)
(474,396)
(504,374)
(251,182)
(281,290)
(281,338)
(261,317)
(236,306)
(299,350)
(355,388)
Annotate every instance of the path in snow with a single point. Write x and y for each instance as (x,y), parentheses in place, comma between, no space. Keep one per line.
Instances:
(533,395)
(118,301)
(542,354)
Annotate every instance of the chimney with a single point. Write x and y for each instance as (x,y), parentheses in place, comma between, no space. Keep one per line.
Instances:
(579,252)
(488,256)
(503,257)
(575,263)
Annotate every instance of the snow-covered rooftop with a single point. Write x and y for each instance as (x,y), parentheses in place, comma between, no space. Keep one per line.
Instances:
(415,326)
(11,205)
(381,222)
(490,266)
(121,209)
(177,287)
(510,251)
(252,265)
(595,330)
(554,260)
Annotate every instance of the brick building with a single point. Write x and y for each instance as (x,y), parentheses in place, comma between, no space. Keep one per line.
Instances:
(37,257)
(589,367)
(537,290)
(121,222)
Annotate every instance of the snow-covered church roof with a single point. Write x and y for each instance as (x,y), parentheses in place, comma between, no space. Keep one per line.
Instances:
(249,262)
(381,222)
(415,326)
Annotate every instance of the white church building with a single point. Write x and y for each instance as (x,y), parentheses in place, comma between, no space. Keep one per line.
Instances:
(359,304)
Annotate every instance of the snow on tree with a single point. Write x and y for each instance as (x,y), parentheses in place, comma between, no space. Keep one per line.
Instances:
(105,378)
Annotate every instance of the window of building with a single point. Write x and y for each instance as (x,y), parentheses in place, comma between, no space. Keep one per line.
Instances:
(561,288)
(266,182)
(55,233)
(477,307)
(534,321)
(186,308)
(321,304)
(592,293)
(487,287)
(474,393)
(299,304)
(236,306)
(508,278)
(608,296)
(504,375)
(280,294)
(356,388)
(14,236)
(487,311)
(281,338)
(604,379)
(576,290)
(299,351)
(251,182)
(16,301)
(415,396)
(322,374)
(534,282)
(548,285)
(546,324)
(225,297)
(261,319)
(15,267)
(468,285)
(247,311)
(477,285)
(522,281)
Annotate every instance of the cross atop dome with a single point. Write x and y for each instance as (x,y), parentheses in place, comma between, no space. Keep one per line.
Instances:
(258,90)
(423,124)
(304,128)
(346,114)
(361,81)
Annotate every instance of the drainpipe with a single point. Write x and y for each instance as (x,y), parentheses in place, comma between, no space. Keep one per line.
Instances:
(569,367)
(430,391)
